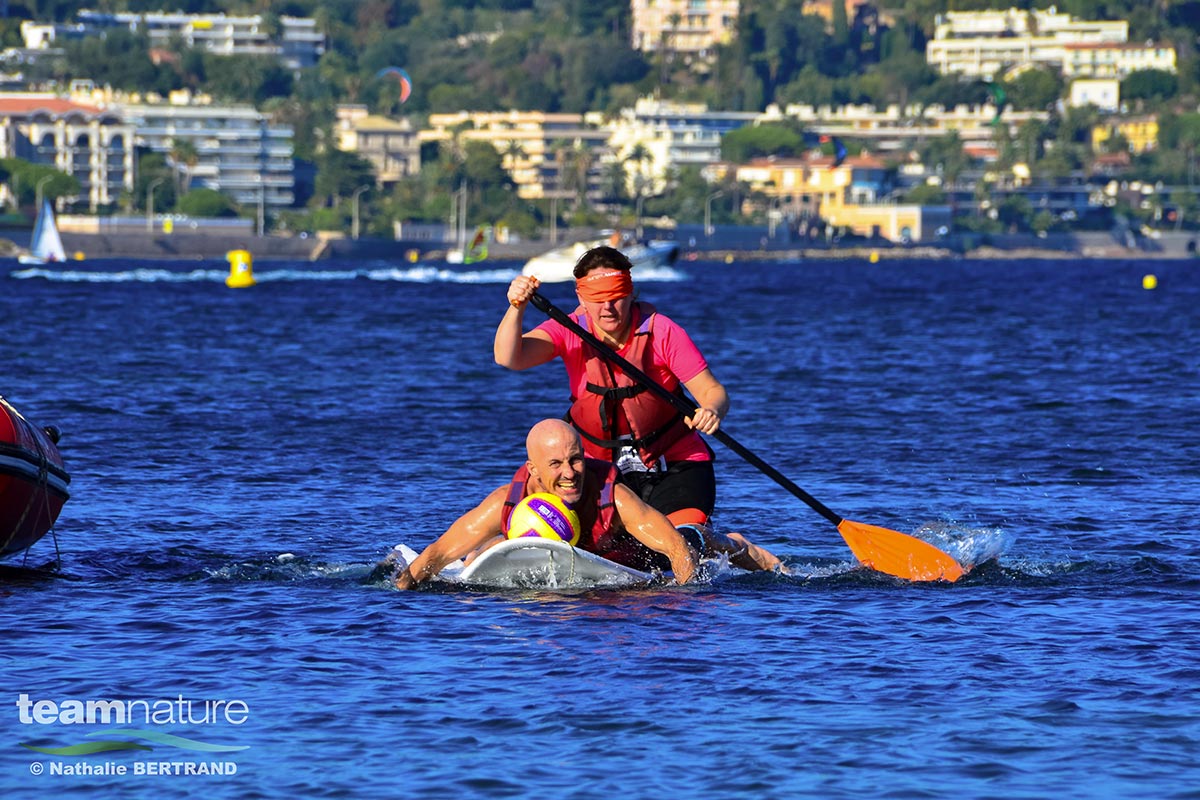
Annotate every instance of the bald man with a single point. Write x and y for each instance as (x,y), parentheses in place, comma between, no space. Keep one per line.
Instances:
(556,464)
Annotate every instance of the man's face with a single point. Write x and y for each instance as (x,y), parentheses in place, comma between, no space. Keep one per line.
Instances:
(556,466)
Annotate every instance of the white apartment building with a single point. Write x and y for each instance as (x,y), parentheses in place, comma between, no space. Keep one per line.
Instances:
(683,26)
(1115,60)
(1103,93)
(296,42)
(670,135)
(896,127)
(988,44)
(1017,22)
(240,153)
(94,145)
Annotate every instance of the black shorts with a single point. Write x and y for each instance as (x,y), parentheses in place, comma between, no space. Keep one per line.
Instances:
(685,484)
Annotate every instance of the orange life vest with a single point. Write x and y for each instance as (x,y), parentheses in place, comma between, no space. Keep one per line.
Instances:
(612,397)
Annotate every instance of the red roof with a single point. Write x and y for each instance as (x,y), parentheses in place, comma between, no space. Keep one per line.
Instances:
(16,105)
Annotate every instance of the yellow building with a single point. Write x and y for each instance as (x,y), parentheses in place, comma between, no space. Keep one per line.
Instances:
(846,195)
(535,146)
(1141,133)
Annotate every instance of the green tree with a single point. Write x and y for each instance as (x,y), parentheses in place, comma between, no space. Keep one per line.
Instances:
(206,203)
(23,179)
(154,174)
(841,25)
(1149,84)
(246,79)
(1035,89)
(120,59)
(751,141)
(946,155)
(185,157)
(338,174)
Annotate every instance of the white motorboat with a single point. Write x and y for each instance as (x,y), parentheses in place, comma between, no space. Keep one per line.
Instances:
(557,265)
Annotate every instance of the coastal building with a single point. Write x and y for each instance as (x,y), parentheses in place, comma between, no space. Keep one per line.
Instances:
(897,127)
(1115,60)
(391,145)
(1140,133)
(657,136)
(990,44)
(547,155)
(689,27)
(92,144)
(1103,93)
(819,195)
(295,41)
(236,150)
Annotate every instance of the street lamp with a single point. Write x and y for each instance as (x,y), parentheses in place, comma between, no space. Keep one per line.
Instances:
(262,208)
(708,228)
(150,203)
(354,202)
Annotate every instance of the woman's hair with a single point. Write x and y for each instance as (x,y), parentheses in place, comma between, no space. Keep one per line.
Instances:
(601,257)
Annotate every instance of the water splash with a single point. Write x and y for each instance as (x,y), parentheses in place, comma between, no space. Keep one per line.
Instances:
(967,545)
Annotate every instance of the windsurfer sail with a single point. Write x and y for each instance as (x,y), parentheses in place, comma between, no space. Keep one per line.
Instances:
(46,245)
(477,250)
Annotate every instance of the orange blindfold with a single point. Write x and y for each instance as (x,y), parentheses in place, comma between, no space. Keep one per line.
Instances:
(600,286)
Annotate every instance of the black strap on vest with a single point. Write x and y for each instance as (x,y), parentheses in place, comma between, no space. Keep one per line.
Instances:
(617,444)
(616,392)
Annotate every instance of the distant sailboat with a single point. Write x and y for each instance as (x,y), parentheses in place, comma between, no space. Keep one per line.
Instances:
(46,247)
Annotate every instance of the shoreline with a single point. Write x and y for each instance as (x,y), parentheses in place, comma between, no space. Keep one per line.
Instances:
(204,247)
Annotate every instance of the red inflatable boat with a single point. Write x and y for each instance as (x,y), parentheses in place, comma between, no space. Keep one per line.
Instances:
(33,481)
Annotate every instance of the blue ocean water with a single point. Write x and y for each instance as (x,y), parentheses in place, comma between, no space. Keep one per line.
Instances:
(240,460)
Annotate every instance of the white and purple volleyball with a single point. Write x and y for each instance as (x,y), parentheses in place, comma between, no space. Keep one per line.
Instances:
(545,515)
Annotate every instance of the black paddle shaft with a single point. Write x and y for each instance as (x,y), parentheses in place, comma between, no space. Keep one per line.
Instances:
(685,406)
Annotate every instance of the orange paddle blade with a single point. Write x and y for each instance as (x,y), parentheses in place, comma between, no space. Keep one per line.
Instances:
(899,554)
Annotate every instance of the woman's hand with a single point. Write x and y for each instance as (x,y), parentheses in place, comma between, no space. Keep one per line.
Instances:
(521,290)
(705,420)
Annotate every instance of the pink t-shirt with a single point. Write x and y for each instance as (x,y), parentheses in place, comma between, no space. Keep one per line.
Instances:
(676,360)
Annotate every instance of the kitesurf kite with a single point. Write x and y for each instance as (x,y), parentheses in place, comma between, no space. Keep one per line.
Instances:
(839,149)
(839,152)
(400,75)
(999,99)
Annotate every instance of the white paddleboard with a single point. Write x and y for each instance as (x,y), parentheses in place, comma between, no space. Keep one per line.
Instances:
(531,562)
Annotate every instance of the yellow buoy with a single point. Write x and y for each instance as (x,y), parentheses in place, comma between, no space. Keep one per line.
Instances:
(1149,281)
(728,258)
(78,255)
(413,256)
(874,258)
(241,269)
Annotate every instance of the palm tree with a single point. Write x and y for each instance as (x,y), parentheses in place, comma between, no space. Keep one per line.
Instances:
(513,154)
(639,156)
(579,166)
(185,157)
